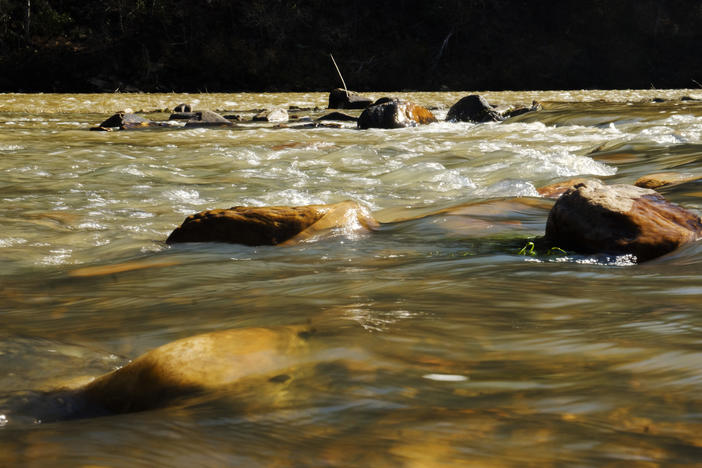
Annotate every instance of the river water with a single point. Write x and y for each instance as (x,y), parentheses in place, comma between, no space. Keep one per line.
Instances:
(437,343)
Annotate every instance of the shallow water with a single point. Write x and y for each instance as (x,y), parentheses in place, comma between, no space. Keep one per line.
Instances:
(438,344)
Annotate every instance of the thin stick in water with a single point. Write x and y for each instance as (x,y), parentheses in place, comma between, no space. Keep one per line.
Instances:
(339,72)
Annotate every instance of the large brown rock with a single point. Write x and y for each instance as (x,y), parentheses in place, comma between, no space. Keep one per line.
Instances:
(394,113)
(340,99)
(473,108)
(271,225)
(619,219)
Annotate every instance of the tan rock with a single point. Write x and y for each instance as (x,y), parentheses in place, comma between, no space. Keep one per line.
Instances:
(662,179)
(557,189)
(271,225)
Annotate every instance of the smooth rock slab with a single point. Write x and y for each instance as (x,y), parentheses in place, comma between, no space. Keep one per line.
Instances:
(665,179)
(619,219)
(393,113)
(271,225)
(207,118)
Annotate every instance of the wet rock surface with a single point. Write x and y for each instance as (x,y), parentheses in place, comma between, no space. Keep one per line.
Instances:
(665,179)
(207,118)
(276,115)
(394,113)
(340,99)
(473,108)
(270,225)
(619,219)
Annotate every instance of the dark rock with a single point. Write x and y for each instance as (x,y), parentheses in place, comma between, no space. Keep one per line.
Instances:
(207,119)
(473,108)
(339,99)
(383,100)
(269,225)
(126,121)
(182,108)
(535,106)
(274,115)
(619,219)
(182,116)
(395,114)
(338,116)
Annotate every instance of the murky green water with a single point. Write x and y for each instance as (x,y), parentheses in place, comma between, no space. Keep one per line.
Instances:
(438,345)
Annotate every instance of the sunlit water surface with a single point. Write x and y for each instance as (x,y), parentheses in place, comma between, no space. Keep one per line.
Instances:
(438,344)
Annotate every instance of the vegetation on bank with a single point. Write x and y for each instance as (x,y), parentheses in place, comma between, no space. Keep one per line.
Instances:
(277,45)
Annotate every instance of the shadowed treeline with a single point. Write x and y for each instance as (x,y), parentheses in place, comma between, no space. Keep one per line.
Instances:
(279,45)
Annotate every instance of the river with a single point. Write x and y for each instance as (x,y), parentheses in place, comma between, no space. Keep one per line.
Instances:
(438,343)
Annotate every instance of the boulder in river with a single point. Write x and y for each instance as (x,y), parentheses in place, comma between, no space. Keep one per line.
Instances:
(207,118)
(395,113)
(271,225)
(619,219)
(276,115)
(341,99)
(473,108)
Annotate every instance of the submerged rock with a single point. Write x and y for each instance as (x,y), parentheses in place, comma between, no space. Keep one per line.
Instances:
(207,118)
(270,225)
(274,115)
(340,99)
(535,106)
(473,108)
(619,219)
(195,364)
(259,359)
(395,114)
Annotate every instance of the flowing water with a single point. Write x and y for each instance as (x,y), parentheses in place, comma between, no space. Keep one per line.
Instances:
(437,343)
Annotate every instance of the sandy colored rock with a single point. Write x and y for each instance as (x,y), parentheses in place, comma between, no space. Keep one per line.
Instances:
(557,189)
(271,225)
(619,219)
(662,179)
